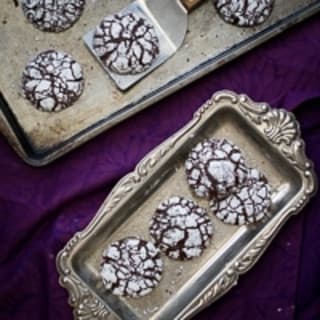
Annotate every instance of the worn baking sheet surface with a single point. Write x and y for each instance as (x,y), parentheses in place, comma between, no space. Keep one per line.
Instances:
(209,43)
(161,175)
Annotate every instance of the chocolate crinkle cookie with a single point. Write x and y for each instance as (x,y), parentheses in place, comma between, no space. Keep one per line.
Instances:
(214,167)
(244,13)
(131,267)
(52,15)
(180,228)
(126,43)
(249,204)
(52,81)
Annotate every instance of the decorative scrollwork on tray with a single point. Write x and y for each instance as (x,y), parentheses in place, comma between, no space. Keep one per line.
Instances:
(222,285)
(243,263)
(282,126)
(230,277)
(86,305)
(254,111)
(278,126)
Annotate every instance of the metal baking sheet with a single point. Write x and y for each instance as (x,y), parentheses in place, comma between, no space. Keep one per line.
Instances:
(41,137)
(269,139)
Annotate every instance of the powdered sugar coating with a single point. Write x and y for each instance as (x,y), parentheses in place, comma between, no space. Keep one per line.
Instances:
(249,204)
(126,43)
(215,167)
(131,267)
(52,15)
(52,81)
(244,13)
(180,228)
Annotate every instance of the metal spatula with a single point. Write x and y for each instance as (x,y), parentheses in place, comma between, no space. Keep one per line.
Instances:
(170,19)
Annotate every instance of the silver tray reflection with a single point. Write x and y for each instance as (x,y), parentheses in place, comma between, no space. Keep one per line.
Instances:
(270,140)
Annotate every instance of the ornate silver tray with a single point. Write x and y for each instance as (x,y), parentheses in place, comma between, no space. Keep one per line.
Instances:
(40,137)
(270,140)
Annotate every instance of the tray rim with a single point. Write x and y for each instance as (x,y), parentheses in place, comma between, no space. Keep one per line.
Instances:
(19,141)
(279,127)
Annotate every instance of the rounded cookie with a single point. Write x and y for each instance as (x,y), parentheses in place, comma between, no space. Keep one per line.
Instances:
(52,15)
(131,267)
(249,204)
(52,81)
(180,228)
(244,13)
(126,43)
(215,167)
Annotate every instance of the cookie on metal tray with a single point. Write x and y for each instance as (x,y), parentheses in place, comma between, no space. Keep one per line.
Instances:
(215,167)
(244,13)
(126,43)
(131,267)
(180,228)
(52,15)
(249,204)
(52,81)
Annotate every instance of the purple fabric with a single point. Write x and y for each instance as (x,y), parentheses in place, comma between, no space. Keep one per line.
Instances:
(41,208)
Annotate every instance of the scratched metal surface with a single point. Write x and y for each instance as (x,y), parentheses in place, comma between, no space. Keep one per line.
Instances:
(269,140)
(40,137)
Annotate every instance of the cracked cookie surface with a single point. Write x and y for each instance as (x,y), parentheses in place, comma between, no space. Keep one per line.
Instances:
(53,15)
(131,267)
(180,228)
(52,81)
(126,43)
(214,167)
(244,13)
(249,204)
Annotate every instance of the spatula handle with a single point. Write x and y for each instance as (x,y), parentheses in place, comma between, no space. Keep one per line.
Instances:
(191,4)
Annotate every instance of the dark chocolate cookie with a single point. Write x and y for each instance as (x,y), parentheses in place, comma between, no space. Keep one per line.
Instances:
(126,43)
(180,228)
(131,267)
(215,167)
(244,13)
(249,204)
(52,81)
(52,15)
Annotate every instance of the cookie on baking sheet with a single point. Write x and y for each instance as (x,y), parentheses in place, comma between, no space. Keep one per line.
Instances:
(180,228)
(214,167)
(126,43)
(52,81)
(52,15)
(244,13)
(249,204)
(131,267)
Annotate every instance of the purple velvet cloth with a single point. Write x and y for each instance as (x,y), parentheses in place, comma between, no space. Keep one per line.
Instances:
(41,208)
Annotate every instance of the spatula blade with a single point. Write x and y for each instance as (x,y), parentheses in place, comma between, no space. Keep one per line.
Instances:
(165,21)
